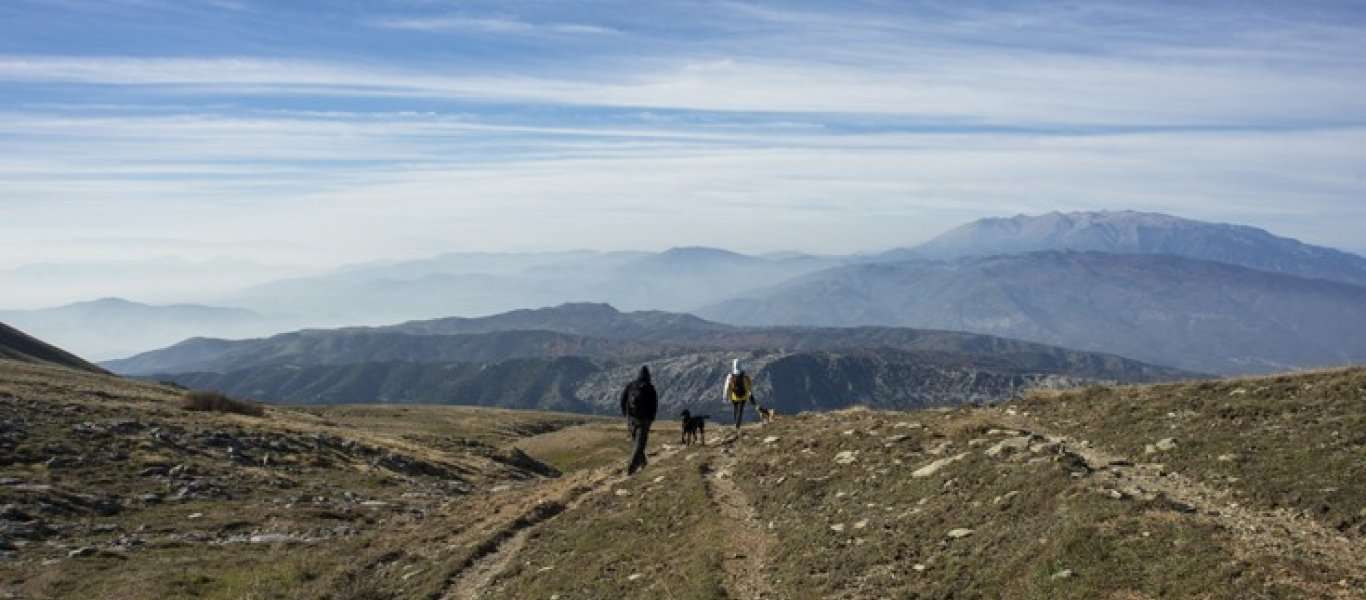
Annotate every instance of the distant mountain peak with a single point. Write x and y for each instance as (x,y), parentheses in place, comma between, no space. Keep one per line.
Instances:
(1135,232)
(700,252)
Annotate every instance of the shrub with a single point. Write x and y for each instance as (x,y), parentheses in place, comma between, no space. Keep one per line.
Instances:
(218,402)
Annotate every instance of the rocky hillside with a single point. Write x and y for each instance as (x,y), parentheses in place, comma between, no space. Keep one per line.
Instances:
(351,346)
(789,381)
(109,489)
(490,362)
(1129,232)
(19,346)
(1197,315)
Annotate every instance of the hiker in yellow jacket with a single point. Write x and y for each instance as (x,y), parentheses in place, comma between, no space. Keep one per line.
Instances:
(739,389)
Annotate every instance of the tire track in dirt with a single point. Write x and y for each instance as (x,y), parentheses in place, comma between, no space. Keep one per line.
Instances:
(745,558)
(496,552)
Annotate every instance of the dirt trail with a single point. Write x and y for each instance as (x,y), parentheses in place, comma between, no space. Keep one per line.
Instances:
(507,532)
(745,557)
(1275,532)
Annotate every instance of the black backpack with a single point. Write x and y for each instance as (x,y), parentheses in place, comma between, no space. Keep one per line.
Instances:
(737,385)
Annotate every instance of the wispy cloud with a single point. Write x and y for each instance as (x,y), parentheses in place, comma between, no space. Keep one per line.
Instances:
(497,25)
(847,126)
(979,89)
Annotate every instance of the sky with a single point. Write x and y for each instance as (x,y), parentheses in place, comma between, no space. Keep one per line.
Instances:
(263,136)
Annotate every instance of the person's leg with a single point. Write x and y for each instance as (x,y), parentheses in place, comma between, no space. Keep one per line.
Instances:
(638,456)
(739,409)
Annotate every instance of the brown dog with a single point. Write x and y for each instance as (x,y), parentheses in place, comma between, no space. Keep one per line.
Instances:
(766,415)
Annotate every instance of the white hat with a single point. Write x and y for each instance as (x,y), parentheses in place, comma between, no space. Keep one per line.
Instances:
(735,366)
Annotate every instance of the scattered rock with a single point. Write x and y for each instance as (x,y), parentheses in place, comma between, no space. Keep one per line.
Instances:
(937,465)
(1063,574)
(270,538)
(919,568)
(1165,444)
(1005,499)
(82,552)
(846,457)
(195,516)
(940,448)
(1228,457)
(1009,446)
(960,533)
(770,439)
(861,524)
(155,471)
(623,492)
(837,527)
(634,576)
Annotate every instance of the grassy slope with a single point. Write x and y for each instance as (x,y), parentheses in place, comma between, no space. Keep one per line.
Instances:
(401,544)
(1293,441)
(1280,516)
(1045,524)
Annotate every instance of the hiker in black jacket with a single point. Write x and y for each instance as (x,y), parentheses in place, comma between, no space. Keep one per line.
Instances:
(638,404)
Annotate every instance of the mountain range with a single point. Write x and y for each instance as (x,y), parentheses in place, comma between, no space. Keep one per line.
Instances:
(677,279)
(113,327)
(1129,232)
(1198,296)
(577,356)
(1197,315)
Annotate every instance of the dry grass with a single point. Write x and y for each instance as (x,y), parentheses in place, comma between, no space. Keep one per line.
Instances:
(210,401)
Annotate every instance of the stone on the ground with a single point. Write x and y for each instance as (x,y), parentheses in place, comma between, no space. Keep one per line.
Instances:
(1165,444)
(270,538)
(846,457)
(937,465)
(82,551)
(959,533)
(770,439)
(837,527)
(861,524)
(623,492)
(634,576)
(1063,574)
(1006,498)
(1009,446)
(940,448)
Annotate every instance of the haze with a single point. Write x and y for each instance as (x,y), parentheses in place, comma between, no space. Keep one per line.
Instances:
(186,148)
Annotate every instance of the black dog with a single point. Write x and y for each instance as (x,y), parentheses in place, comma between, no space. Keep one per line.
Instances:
(694,428)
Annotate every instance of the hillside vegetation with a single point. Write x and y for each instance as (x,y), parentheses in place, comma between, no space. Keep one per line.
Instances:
(1250,488)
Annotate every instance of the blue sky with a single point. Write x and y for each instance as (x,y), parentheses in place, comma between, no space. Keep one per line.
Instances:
(315,133)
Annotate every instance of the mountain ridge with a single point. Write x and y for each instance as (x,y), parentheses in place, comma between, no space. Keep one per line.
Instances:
(1133,232)
(1197,315)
